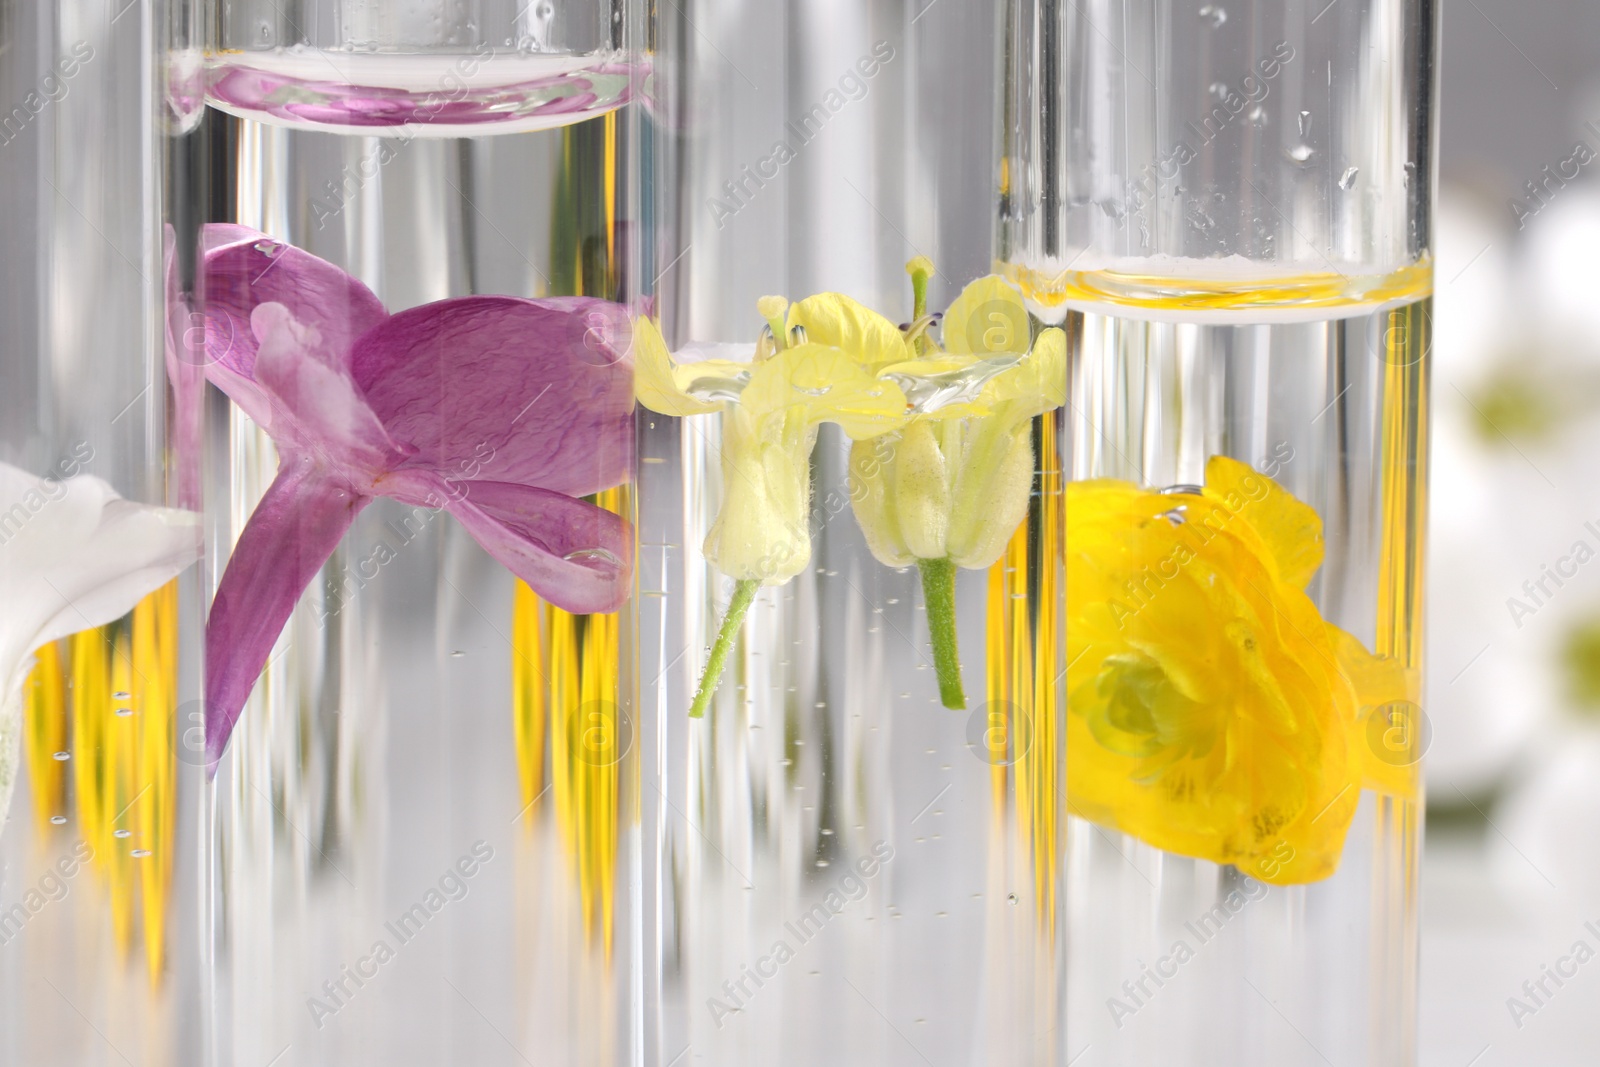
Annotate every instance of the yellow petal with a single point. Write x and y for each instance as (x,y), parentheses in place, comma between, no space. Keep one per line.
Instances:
(811,383)
(872,499)
(761,531)
(1211,711)
(987,317)
(991,497)
(655,378)
(1037,384)
(933,365)
(1289,528)
(922,490)
(1390,731)
(838,322)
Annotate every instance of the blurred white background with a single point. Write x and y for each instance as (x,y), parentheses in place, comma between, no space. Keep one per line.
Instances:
(1512,862)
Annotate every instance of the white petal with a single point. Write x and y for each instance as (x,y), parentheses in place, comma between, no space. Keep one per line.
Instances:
(74,555)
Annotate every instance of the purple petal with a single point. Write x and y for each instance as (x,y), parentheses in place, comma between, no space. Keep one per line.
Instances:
(315,406)
(538,392)
(290,535)
(575,555)
(245,268)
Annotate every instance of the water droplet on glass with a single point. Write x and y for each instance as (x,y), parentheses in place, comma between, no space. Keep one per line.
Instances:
(813,390)
(590,557)
(58,820)
(1348,178)
(822,863)
(122,833)
(1258,116)
(457,654)
(121,695)
(267,248)
(1300,154)
(1213,15)
(61,757)
(124,712)
(139,853)
(1305,124)
(1218,89)
(1011,898)
(826,833)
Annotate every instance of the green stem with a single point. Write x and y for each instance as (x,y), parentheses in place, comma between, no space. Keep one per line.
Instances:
(919,294)
(939,595)
(920,269)
(743,593)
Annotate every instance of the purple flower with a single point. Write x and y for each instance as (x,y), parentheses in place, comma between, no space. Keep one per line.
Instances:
(501,410)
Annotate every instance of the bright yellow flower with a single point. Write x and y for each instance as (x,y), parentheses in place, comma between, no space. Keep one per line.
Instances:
(1211,710)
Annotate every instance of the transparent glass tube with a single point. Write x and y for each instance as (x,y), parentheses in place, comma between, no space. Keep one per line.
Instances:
(425,836)
(1226,206)
(850,863)
(98,876)
(1210,154)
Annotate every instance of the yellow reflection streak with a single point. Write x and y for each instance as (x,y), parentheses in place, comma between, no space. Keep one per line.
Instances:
(1024,645)
(123,767)
(565,671)
(45,734)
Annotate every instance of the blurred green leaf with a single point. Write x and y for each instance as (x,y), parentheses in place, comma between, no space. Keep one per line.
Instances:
(1580,660)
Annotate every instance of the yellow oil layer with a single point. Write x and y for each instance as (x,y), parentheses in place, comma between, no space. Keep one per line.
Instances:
(1147,294)
(123,773)
(567,709)
(1023,643)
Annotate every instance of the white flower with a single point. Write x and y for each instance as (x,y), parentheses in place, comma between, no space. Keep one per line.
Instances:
(73,555)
